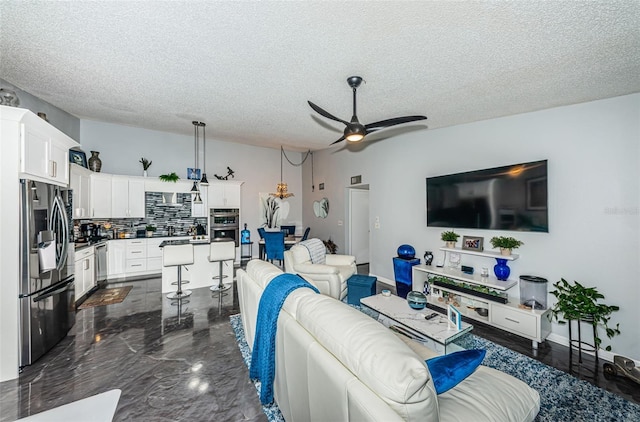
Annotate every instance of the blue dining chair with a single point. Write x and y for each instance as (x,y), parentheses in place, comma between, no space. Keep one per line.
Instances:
(261,232)
(274,246)
(306,234)
(289,230)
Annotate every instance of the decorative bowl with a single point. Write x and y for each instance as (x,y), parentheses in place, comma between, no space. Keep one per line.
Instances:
(482,311)
(416,300)
(406,252)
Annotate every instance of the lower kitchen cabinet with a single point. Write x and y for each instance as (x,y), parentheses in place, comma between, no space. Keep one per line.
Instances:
(135,257)
(85,271)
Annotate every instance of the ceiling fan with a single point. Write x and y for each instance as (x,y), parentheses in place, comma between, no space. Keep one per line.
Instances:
(356,131)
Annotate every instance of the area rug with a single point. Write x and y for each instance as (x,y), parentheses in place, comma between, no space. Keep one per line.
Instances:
(106,297)
(272,411)
(562,396)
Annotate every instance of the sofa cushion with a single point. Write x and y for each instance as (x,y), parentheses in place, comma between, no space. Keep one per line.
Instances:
(371,352)
(448,370)
(262,272)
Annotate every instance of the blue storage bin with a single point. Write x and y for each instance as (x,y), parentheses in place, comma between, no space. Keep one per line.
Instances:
(360,286)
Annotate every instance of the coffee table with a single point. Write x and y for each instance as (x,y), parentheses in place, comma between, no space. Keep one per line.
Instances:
(437,333)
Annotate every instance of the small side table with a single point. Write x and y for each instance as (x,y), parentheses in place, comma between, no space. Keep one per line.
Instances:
(246,253)
(581,343)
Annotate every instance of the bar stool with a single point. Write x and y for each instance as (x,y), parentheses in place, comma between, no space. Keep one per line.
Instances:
(177,256)
(221,251)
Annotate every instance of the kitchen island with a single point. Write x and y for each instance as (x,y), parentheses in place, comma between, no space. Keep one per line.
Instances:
(198,274)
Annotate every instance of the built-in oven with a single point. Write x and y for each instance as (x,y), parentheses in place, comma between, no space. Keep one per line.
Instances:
(224,223)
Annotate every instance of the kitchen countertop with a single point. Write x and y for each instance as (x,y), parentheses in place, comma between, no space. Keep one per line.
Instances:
(204,241)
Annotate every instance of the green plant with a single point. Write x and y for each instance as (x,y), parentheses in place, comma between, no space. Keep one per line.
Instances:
(171,177)
(505,242)
(576,302)
(145,163)
(331,247)
(449,236)
(150,228)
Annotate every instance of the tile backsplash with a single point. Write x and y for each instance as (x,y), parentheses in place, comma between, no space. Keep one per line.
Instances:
(157,214)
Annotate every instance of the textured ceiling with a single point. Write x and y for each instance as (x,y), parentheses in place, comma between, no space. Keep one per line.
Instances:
(247,69)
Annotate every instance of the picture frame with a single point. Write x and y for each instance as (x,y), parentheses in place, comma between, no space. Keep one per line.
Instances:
(78,157)
(356,179)
(455,317)
(473,243)
(537,194)
(193,174)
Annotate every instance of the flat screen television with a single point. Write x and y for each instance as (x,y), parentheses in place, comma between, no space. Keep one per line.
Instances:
(511,197)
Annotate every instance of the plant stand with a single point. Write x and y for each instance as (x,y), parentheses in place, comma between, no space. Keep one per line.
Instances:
(579,342)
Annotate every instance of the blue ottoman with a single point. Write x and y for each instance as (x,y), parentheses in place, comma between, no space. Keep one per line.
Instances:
(360,286)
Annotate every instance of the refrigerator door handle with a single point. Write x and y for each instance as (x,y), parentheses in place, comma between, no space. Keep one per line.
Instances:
(54,290)
(59,217)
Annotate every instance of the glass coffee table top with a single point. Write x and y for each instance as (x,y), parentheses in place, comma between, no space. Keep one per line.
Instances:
(437,333)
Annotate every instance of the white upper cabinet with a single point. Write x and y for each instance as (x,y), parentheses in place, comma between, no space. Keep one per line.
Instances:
(44,150)
(224,195)
(127,198)
(79,182)
(100,195)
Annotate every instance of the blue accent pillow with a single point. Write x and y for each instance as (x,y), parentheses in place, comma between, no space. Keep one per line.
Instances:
(448,370)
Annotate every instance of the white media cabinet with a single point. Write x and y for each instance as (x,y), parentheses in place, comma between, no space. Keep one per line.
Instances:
(528,323)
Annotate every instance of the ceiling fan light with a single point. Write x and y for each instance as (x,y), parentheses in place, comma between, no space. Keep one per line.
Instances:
(354,137)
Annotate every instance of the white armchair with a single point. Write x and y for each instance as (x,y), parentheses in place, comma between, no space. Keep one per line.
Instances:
(330,278)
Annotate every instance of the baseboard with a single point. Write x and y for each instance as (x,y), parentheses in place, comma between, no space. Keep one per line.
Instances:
(384,280)
(602,354)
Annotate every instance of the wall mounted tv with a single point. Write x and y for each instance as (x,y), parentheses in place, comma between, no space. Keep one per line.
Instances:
(503,198)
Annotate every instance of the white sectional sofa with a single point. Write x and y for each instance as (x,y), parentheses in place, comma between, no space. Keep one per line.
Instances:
(333,363)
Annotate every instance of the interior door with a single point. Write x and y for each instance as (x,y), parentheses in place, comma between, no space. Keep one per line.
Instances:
(359,224)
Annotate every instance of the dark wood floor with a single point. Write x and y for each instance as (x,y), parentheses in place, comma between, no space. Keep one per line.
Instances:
(549,353)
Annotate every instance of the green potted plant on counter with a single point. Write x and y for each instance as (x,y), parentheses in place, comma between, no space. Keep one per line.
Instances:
(150,230)
(450,237)
(576,302)
(506,244)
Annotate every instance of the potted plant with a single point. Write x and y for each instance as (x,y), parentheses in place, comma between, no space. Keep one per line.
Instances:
(171,177)
(332,248)
(150,230)
(506,244)
(145,165)
(450,237)
(576,302)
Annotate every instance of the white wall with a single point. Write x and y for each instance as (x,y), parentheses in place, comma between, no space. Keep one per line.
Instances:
(594,196)
(121,148)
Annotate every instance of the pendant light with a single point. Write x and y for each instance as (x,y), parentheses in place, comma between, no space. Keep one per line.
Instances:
(194,189)
(281,188)
(203,180)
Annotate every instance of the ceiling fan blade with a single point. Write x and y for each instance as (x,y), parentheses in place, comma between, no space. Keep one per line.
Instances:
(325,113)
(342,138)
(372,127)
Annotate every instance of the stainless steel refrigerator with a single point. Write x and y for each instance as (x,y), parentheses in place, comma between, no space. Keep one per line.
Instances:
(47,293)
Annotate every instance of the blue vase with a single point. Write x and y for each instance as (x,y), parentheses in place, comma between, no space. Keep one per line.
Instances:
(406,252)
(501,270)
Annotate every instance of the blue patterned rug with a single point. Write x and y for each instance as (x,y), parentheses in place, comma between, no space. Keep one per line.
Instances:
(562,396)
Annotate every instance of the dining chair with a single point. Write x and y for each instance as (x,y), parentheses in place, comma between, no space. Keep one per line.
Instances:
(289,230)
(274,246)
(261,231)
(306,234)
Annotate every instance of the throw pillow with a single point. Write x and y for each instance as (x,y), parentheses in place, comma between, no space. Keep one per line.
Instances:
(449,370)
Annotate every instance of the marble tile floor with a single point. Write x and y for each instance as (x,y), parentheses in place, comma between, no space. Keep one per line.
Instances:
(171,363)
(183,364)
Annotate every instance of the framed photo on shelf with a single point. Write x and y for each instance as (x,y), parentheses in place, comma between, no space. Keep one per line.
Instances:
(193,174)
(473,243)
(78,157)
(454,317)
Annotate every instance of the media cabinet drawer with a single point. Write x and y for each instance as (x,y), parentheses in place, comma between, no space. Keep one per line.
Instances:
(512,320)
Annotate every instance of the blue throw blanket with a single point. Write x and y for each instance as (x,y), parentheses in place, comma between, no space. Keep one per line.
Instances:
(263,361)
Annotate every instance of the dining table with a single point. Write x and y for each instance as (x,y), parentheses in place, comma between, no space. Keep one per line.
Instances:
(289,241)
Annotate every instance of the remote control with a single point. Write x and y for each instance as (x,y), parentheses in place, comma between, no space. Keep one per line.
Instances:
(430,316)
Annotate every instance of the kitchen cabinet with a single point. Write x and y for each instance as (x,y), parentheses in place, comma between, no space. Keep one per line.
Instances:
(85,271)
(136,255)
(116,258)
(127,198)
(79,182)
(200,210)
(224,194)
(100,195)
(154,254)
(44,150)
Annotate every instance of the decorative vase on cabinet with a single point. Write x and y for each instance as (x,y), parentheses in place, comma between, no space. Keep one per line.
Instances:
(95,163)
(501,270)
